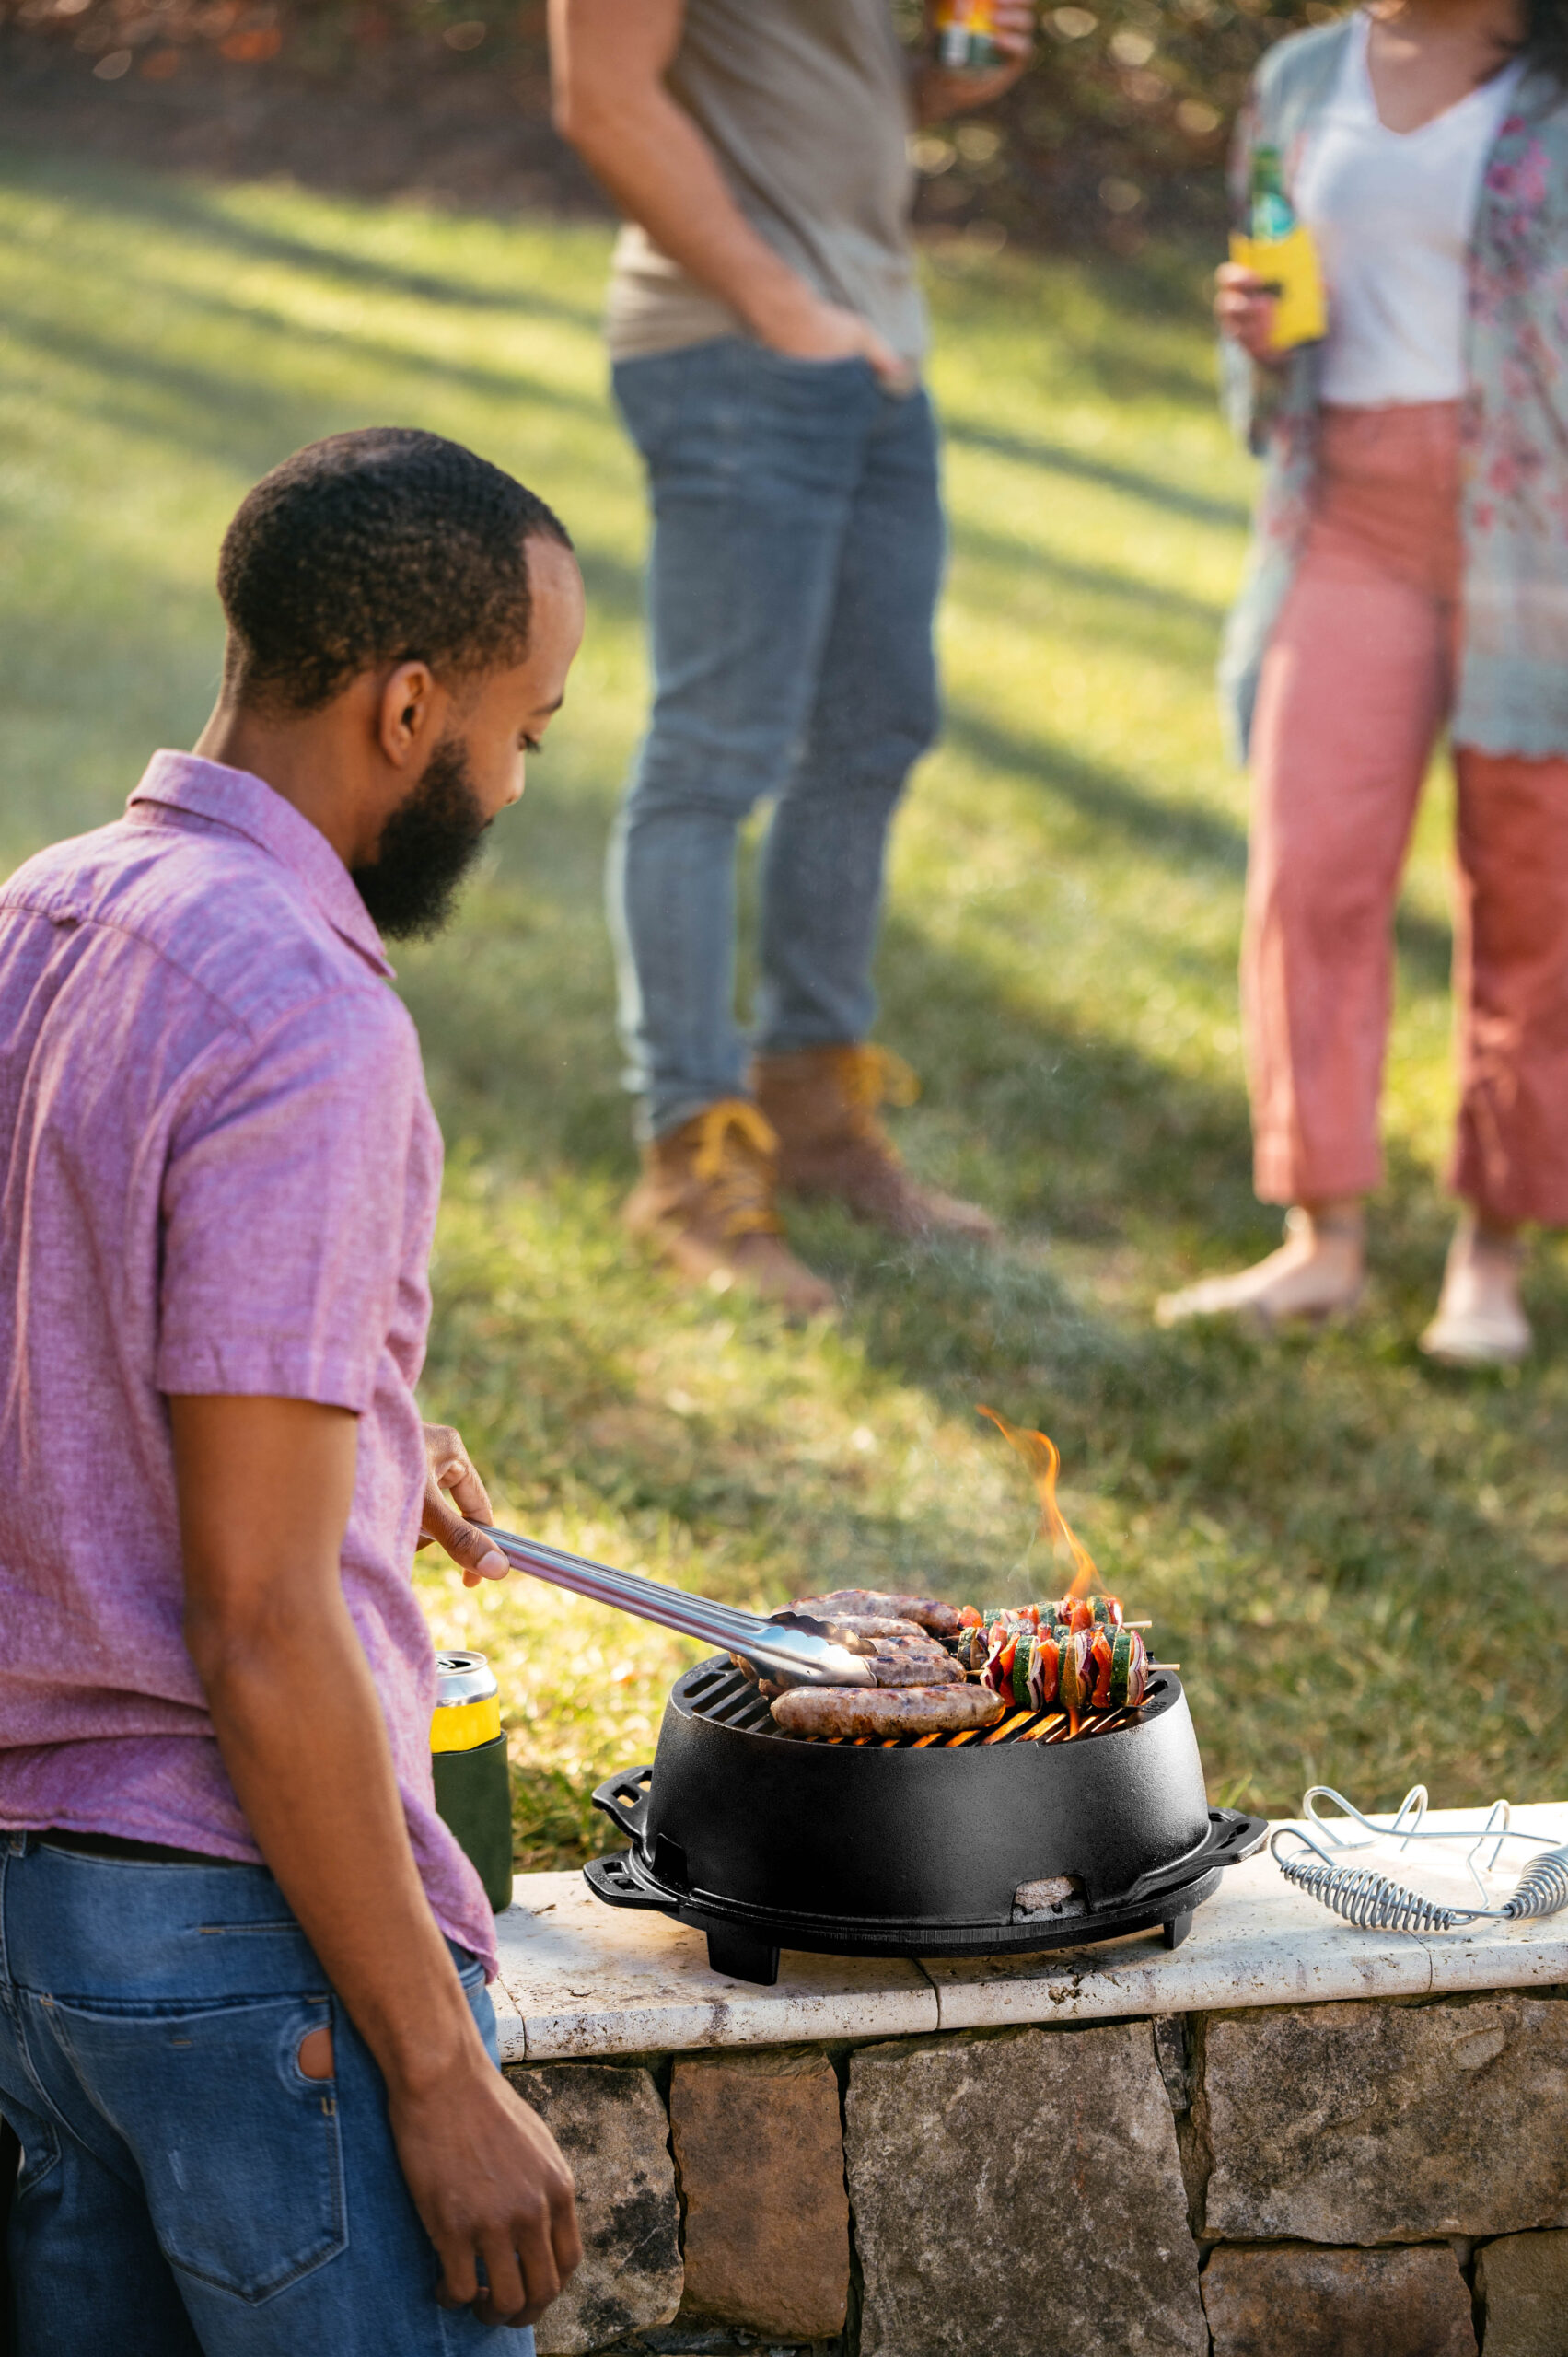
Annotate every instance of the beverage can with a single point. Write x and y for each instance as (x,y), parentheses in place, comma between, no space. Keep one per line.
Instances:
(966,36)
(468,1703)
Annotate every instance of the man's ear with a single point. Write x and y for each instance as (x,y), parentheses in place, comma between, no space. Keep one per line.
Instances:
(408,716)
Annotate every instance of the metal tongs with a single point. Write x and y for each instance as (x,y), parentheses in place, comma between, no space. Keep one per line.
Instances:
(790,1645)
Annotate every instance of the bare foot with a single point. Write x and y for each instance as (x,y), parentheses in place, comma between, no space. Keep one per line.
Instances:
(1319,1270)
(1480,1320)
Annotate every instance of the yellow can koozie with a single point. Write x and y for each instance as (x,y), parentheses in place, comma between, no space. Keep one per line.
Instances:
(1289,264)
(469,1771)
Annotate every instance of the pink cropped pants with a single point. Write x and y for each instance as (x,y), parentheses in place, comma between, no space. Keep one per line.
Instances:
(1355,688)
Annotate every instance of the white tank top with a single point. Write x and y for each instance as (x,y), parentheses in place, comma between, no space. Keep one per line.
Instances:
(1392,212)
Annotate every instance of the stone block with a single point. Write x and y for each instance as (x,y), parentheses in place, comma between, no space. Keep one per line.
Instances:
(759,2154)
(1367,2123)
(611,2125)
(1522,2283)
(1020,2196)
(1299,2300)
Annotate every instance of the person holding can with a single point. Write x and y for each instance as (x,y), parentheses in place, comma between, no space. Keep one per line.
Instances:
(245,2038)
(767,334)
(1409,573)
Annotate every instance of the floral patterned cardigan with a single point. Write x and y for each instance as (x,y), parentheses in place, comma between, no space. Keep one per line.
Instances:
(1512,683)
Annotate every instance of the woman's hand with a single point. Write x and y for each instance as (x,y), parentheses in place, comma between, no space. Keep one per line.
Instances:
(1245,310)
(449,1468)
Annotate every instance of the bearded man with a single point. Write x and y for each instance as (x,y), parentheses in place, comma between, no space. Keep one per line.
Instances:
(245,2039)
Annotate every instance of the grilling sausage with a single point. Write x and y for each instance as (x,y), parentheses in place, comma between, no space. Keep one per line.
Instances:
(870,1604)
(911,1710)
(899,1653)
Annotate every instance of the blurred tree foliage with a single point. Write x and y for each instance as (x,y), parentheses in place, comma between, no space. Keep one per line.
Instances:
(1119,127)
(327,40)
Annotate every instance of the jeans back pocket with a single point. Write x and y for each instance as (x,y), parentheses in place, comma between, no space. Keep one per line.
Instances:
(240,2153)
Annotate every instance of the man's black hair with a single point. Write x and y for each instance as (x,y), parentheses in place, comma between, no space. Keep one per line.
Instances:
(381,547)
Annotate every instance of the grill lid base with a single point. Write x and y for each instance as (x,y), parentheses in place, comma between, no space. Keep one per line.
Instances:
(744,1940)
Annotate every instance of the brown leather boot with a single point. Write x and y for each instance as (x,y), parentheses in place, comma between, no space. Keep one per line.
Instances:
(705,1201)
(823,1102)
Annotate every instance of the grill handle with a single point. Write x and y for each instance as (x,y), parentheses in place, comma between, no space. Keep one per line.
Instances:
(1232,1835)
(612,1880)
(790,1645)
(624,1800)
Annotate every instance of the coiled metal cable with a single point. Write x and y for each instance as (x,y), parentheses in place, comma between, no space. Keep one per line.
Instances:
(1544,1888)
(1365,1898)
(1372,1901)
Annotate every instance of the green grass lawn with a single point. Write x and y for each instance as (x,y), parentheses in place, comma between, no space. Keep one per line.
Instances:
(1356,1559)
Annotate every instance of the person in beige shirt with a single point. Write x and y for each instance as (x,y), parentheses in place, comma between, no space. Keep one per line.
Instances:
(767,334)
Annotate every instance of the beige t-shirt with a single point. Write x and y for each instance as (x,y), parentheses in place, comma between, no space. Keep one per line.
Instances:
(806,105)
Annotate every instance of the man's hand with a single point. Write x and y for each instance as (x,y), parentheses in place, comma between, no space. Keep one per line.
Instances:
(1245,311)
(608,60)
(490,2184)
(449,1468)
(939,93)
(264,1488)
(805,326)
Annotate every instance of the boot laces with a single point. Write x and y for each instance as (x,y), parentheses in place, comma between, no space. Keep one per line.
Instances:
(872,1076)
(736,1151)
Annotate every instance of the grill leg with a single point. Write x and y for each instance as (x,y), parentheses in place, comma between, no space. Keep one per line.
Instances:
(742,1956)
(1176,1931)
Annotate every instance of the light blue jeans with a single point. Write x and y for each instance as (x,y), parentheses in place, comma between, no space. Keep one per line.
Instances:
(796,556)
(186,2190)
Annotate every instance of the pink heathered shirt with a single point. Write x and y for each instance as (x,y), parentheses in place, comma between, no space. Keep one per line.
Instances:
(218,1173)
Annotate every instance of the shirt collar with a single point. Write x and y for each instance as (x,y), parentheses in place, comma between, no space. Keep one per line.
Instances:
(235,799)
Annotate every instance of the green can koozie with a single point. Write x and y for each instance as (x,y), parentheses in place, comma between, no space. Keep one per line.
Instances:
(474,1789)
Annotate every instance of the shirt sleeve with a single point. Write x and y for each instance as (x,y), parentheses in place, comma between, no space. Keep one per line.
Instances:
(284,1202)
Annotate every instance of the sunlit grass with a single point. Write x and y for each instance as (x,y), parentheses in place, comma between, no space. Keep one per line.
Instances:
(1356,1560)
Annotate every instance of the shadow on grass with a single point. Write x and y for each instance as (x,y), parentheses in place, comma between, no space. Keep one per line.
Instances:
(1105,474)
(1147,615)
(236,418)
(182,207)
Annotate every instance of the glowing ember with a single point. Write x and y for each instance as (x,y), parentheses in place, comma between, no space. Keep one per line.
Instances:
(1044,1459)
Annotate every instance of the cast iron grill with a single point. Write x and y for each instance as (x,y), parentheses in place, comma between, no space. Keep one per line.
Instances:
(915,1845)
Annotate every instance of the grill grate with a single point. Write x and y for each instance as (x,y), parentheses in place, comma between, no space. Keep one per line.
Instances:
(729,1698)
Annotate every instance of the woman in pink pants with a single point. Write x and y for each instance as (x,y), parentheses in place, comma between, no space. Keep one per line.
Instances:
(1410,571)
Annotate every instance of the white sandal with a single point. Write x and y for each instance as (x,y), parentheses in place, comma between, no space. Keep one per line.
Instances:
(1472,1332)
(1471,1338)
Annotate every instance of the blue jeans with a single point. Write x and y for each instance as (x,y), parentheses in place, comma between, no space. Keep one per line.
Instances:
(185,2189)
(796,557)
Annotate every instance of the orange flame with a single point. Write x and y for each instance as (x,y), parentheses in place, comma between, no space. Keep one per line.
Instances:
(1044,1460)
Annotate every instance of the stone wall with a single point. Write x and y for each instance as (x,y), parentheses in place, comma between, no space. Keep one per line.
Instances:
(1384,2178)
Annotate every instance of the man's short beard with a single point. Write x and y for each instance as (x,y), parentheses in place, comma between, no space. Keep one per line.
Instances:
(427,846)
